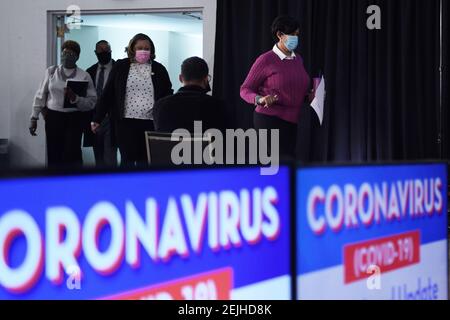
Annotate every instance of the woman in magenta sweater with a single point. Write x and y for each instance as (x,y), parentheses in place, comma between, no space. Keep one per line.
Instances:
(277,85)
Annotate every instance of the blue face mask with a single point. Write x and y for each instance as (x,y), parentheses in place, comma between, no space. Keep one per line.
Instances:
(291,42)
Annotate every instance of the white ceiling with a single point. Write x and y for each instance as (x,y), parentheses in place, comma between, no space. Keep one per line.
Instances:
(175,22)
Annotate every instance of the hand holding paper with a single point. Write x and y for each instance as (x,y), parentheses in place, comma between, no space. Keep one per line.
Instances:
(319,100)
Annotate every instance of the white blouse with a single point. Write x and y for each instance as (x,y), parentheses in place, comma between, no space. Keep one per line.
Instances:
(51,92)
(139,96)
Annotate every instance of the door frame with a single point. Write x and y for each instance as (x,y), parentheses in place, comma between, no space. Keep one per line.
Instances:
(52,16)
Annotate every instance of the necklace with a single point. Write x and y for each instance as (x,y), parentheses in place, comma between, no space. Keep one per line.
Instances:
(70,76)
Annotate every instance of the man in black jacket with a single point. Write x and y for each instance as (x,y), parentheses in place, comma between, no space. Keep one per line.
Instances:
(105,151)
(191,102)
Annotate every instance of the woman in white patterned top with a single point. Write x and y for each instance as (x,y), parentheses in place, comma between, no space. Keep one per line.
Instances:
(133,87)
(64,112)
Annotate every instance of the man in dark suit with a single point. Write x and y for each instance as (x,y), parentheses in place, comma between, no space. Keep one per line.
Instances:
(105,150)
(191,102)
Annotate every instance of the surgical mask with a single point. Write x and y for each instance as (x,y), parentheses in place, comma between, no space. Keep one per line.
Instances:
(103,57)
(69,60)
(291,42)
(142,56)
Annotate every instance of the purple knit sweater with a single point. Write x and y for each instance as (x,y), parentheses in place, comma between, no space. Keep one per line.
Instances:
(286,78)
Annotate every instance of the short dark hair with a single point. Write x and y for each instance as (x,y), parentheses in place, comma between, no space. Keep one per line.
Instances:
(71,45)
(284,24)
(194,68)
(101,42)
(140,36)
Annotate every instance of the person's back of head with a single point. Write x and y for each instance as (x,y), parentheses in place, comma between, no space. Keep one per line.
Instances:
(195,71)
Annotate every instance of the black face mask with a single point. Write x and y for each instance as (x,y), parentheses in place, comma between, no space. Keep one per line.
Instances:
(103,57)
(69,60)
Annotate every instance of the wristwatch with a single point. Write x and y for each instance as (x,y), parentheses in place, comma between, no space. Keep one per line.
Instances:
(257,100)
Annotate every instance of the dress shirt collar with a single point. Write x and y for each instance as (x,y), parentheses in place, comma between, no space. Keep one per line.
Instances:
(107,66)
(281,55)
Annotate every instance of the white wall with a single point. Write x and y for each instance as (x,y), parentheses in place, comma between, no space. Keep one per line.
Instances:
(119,38)
(171,47)
(182,46)
(5,69)
(87,37)
(24,58)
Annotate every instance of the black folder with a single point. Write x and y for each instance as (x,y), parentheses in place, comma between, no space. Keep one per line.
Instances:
(79,87)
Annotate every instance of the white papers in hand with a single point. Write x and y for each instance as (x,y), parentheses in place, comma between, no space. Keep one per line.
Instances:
(319,100)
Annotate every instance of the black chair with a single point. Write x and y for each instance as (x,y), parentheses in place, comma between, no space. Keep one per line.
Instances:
(160,145)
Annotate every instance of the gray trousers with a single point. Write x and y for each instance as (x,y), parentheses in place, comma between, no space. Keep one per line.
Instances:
(104,151)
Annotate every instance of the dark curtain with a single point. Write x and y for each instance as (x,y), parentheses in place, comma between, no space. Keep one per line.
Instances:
(382,85)
(445,77)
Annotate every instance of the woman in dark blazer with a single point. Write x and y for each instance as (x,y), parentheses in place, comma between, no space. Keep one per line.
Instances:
(133,87)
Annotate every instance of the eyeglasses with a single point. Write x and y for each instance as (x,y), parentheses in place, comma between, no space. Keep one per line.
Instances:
(68,53)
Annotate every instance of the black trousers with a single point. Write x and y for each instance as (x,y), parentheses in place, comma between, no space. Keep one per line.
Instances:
(287,130)
(130,136)
(105,151)
(63,134)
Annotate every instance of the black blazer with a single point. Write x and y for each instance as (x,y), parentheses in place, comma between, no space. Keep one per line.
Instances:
(189,104)
(92,70)
(88,140)
(112,100)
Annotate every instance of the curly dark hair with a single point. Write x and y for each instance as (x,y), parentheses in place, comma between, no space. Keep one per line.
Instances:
(284,24)
(71,45)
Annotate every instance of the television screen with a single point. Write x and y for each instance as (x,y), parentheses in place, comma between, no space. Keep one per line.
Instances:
(189,234)
(375,232)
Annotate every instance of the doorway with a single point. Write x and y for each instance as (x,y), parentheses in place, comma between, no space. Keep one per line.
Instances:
(176,35)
